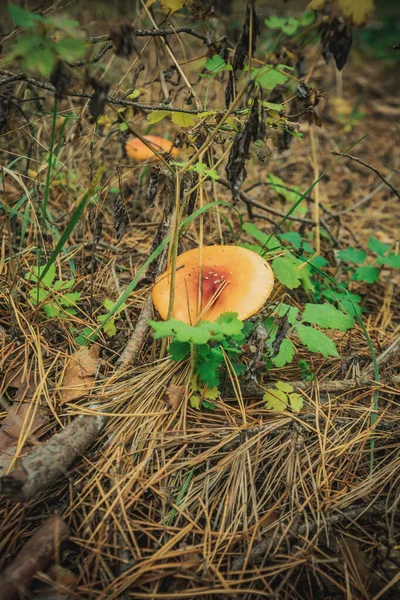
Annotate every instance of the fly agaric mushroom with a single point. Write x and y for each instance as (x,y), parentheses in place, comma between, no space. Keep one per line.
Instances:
(233,279)
(137,150)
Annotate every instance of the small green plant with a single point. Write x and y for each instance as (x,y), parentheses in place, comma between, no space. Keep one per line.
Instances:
(289,26)
(283,396)
(109,327)
(368,267)
(207,343)
(52,294)
(325,316)
(38,47)
(202,396)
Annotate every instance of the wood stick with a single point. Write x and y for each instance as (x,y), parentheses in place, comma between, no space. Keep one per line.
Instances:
(47,463)
(38,551)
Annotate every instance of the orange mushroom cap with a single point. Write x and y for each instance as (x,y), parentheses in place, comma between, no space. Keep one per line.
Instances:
(233,279)
(137,150)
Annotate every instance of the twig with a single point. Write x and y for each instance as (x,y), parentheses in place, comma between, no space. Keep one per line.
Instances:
(36,553)
(309,529)
(151,33)
(250,202)
(388,356)
(132,348)
(10,77)
(47,463)
(247,200)
(374,169)
(96,57)
(363,200)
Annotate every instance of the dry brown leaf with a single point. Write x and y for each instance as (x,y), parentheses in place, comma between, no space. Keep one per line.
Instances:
(80,373)
(14,423)
(174,395)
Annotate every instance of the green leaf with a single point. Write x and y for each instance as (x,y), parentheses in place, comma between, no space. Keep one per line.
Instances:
(366,273)
(179,350)
(228,324)
(318,261)
(109,328)
(63,285)
(183,119)
(273,106)
(296,402)
(207,362)
(348,302)
(393,260)
(84,335)
(275,399)
(195,401)
(285,310)
(286,271)
(157,115)
(269,242)
(327,316)
(306,18)
(316,341)
(208,405)
(288,26)
(22,17)
(202,169)
(70,49)
(292,237)
(290,193)
(378,247)
(65,24)
(51,310)
(305,371)
(37,271)
(37,296)
(69,299)
(285,354)
(42,60)
(212,393)
(352,255)
(109,305)
(268,77)
(216,64)
(284,386)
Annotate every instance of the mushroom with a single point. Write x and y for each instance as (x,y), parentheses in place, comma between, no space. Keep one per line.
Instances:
(233,279)
(137,150)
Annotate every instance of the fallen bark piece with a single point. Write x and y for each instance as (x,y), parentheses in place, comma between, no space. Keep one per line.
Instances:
(80,373)
(38,551)
(45,464)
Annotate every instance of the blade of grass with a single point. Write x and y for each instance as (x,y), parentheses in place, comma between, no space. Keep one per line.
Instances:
(73,222)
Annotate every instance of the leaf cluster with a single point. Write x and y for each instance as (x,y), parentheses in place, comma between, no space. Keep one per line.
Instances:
(324,316)
(45,41)
(207,342)
(369,271)
(52,294)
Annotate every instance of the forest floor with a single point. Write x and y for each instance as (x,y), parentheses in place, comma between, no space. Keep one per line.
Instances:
(167,501)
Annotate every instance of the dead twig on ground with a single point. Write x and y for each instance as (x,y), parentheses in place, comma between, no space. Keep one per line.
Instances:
(38,551)
(295,533)
(47,463)
(374,169)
